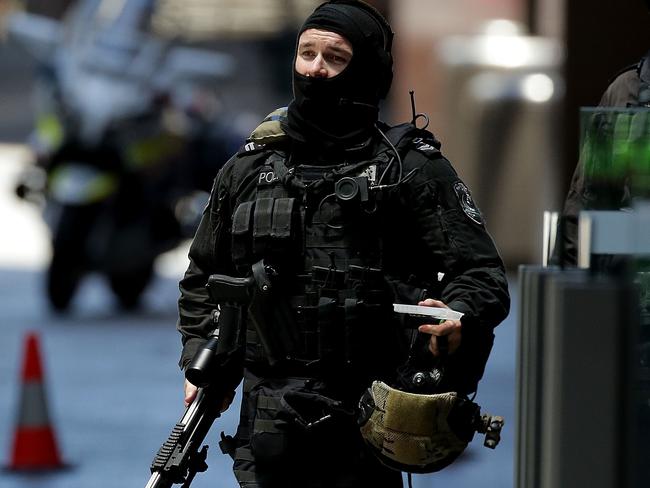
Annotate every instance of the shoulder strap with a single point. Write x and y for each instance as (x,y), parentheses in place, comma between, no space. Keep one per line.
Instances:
(270,129)
(268,132)
(407,135)
(397,134)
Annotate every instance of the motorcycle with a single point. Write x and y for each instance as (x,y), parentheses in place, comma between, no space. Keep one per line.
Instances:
(115,144)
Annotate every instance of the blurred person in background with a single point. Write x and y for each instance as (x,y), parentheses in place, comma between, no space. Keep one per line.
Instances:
(630,88)
(124,121)
(345,215)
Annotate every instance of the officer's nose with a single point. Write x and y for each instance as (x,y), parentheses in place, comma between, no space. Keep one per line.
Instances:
(318,68)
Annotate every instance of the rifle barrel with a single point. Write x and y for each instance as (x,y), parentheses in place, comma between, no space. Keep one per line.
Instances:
(157,481)
(177,453)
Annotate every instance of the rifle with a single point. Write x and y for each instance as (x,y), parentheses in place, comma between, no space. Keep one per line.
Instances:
(180,457)
(217,370)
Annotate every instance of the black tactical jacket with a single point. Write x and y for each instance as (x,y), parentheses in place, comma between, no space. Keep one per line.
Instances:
(433,239)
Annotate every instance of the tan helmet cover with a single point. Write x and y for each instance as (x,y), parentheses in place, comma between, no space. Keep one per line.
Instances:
(409,431)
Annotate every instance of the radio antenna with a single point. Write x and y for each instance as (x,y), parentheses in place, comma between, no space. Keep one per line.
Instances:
(412,94)
(416,115)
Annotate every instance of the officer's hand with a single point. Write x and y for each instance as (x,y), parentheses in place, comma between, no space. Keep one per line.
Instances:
(449,328)
(190,395)
(190,392)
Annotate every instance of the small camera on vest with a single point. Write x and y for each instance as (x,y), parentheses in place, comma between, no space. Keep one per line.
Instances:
(351,189)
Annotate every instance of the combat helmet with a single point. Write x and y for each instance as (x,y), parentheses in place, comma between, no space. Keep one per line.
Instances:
(416,424)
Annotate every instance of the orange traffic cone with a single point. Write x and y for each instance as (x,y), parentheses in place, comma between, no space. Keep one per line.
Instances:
(34,446)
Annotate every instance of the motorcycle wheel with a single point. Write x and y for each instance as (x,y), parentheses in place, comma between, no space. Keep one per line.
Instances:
(68,258)
(62,282)
(128,286)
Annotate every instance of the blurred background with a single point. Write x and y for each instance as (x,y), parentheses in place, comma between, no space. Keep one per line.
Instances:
(107,106)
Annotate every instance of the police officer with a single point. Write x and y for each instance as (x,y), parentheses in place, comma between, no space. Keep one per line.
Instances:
(339,216)
(630,88)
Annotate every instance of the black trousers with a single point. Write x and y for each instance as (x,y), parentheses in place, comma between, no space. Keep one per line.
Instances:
(278,450)
(331,472)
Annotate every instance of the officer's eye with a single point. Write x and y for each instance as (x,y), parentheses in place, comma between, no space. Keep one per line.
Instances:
(336,59)
(308,54)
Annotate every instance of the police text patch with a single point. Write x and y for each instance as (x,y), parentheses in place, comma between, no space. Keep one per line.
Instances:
(266,178)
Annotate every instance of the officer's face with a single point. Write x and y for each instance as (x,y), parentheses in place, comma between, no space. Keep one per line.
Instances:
(322,54)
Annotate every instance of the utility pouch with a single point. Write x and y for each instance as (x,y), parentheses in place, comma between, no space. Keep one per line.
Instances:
(327,281)
(293,419)
(241,238)
(264,227)
(307,323)
(270,438)
(368,283)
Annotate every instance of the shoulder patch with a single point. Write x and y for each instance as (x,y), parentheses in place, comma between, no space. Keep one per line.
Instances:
(250,148)
(425,146)
(467,203)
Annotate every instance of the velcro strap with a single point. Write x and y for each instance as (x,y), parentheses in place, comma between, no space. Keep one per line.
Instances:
(262,225)
(282,217)
(262,217)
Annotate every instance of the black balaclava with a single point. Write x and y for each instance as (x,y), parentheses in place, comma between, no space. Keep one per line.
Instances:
(339,112)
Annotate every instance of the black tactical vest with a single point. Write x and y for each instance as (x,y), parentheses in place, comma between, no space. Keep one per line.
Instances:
(318,229)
